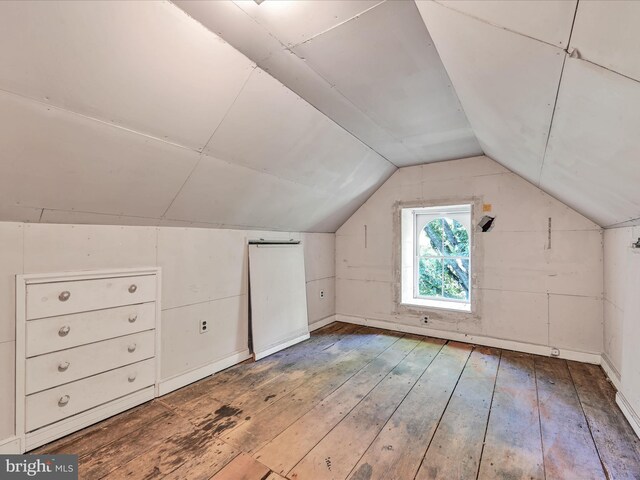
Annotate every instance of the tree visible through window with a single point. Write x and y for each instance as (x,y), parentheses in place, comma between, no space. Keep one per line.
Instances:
(443,260)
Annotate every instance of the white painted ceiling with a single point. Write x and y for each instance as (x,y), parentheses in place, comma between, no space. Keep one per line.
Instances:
(288,115)
(567,123)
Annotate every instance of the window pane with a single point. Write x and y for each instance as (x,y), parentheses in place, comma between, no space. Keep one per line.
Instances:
(430,277)
(456,237)
(456,279)
(430,239)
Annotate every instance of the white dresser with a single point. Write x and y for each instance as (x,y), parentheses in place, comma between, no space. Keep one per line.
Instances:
(86,349)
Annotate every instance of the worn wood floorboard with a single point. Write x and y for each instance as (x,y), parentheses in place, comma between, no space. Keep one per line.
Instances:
(266,424)
(397,451)
(365,403)
(456,446)
(248,374)
(110,430)
(615,440)
(338,452)
(243,467)
(566,438)
(342,360)
(287,448)
(513,445)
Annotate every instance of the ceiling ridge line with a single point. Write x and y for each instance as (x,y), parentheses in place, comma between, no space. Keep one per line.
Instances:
(285,47)
(336,26)
(497,26)
(334,87)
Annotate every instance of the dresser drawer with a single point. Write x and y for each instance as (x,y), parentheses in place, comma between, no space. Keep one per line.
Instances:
(53,369)
(57,333)
(61,298)
(57,403)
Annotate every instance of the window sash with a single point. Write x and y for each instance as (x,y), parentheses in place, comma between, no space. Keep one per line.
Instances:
(418,218)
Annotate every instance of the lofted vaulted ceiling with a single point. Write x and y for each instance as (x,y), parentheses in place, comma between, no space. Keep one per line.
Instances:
(289,115)
(552,92)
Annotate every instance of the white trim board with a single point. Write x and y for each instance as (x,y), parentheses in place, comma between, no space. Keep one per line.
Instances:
(611,372)
(593,358)
(281,346)
(184,379)
(322,323)
(629,413)
(10,445)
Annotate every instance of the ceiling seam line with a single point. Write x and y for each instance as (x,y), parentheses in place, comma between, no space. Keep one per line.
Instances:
(498,26)
(291,90)
(355,17)
(99,120)
(97,213)
(615,72)
(334,87)
(200,153)
(621,224)
(553,114)
(224,117)
(555,103)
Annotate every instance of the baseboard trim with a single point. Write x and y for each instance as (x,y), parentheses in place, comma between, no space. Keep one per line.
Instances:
(184,379)
(322,323)
(10,446)
(584,357)
(629,413)
(611,371)
(281,346)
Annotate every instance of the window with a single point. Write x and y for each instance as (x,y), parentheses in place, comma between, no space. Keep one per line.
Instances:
(436,257)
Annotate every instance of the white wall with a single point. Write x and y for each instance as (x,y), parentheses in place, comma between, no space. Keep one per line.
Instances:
(526,291)
(204,276)
(622,310)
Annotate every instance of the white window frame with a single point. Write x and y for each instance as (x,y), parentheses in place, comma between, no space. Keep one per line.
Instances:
(413,221)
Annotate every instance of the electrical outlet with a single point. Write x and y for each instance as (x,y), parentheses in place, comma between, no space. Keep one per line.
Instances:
(321,293)
(204,327)
(555,352)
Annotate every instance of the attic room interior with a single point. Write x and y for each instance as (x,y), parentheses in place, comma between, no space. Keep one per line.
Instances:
(307,239)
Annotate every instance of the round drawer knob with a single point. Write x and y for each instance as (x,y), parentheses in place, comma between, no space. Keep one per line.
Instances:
(132,348)
(64,296)
(133,318)
(64,331)
(63,366)
(64,400)
(133,288)
(132,377)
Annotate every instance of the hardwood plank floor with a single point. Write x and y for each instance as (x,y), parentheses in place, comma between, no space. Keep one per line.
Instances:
(362,403)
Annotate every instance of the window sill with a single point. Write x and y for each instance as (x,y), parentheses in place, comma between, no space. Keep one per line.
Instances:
(439,304)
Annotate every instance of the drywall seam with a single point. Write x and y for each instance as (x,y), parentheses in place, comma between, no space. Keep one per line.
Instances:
(210,300)
(285,47)
(335,26)
(288,49)
(500,26)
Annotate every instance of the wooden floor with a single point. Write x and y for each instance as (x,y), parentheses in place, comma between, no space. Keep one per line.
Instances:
(362,403)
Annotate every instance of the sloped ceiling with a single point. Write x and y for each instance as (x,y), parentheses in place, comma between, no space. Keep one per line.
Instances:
(371,66)
(133,113)
(552,92)
(288,115)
